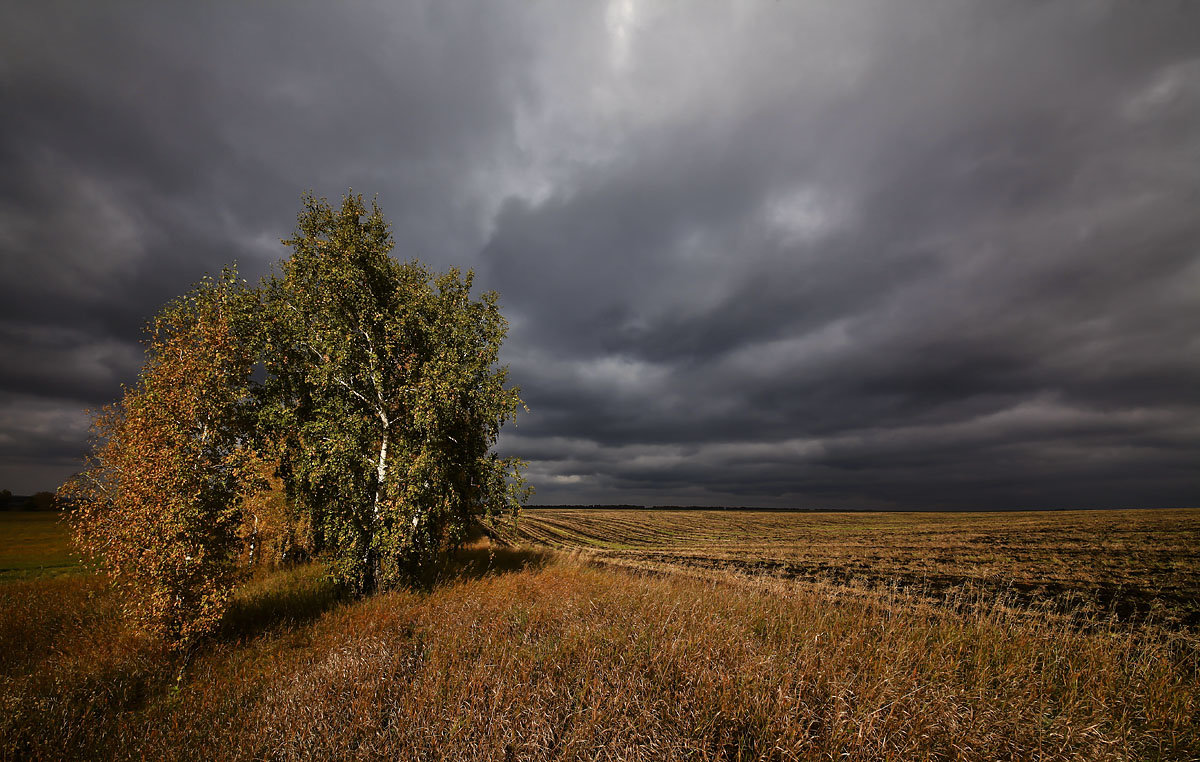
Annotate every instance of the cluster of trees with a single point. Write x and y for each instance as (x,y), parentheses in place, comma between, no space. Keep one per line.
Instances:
(345,409)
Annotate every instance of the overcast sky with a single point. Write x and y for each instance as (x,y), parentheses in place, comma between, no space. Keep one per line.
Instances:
(780,253)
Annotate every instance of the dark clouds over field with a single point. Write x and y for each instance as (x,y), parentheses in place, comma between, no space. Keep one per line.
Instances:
(919,254)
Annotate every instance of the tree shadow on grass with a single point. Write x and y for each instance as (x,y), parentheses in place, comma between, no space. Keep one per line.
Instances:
(484,558)
(281,599)
(295,596)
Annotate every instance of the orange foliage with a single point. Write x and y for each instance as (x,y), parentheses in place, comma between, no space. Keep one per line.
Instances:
(158,505)
(273,532)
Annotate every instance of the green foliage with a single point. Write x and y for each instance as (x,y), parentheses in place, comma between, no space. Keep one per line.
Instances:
(384,397)
(369,440)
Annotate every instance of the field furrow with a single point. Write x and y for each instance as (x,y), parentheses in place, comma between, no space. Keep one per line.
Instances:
(1136,565)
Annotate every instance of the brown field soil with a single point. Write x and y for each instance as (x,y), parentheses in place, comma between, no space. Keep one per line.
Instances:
(1135,564)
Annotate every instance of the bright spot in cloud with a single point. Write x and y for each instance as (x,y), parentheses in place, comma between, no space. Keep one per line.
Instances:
(803,214)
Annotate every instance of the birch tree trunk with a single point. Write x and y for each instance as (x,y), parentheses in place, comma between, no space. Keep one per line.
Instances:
(372,559)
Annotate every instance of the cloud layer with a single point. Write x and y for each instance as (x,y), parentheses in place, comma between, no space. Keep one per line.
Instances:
(857,254)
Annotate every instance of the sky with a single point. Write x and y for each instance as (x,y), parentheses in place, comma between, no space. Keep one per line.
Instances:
(785,253)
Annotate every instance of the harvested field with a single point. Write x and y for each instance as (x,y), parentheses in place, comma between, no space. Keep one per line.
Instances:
(1136,564)
(538,654)
(559,660)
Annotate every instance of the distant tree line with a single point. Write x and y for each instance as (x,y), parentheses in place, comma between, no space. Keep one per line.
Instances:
(346,409)
(38,501)
(629,507)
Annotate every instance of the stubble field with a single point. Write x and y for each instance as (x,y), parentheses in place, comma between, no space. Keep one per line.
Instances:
(1136,565)
(533,652)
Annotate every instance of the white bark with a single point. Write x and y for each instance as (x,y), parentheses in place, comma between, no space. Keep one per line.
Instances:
(253,539)
(380,475)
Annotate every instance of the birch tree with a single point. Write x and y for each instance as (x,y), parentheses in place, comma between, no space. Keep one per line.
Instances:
(383,388)
(158,504)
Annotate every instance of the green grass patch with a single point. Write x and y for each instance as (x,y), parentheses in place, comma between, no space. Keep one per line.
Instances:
(35,544)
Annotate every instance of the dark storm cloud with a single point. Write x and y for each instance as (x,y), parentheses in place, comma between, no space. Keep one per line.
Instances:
(859,254)
(143,146)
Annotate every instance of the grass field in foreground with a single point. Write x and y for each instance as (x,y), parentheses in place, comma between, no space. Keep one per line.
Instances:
(535,654)
(1140,565)
(544,658)
(34,544)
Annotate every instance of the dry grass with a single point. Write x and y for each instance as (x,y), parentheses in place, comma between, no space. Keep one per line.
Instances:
(524,656)
(1137,565)
(532,654)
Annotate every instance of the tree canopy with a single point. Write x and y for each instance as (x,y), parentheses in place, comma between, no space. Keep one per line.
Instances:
(384,394)
(370,428)
(158,502)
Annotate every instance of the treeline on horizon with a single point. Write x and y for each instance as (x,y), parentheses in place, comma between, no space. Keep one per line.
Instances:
(633,507)
(775,509)
(38,501)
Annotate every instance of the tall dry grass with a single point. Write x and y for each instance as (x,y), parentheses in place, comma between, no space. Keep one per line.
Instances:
(561,660)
